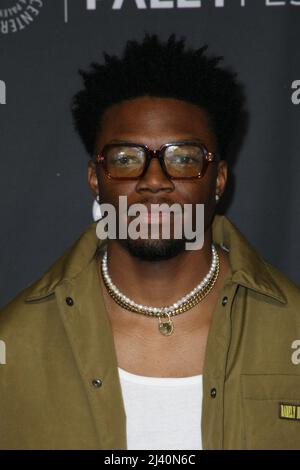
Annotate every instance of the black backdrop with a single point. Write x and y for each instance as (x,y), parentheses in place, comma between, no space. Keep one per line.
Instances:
(45,201)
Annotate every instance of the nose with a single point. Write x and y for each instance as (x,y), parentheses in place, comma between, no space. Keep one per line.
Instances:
(155,180)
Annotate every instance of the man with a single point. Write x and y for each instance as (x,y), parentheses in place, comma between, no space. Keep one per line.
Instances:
(141,343)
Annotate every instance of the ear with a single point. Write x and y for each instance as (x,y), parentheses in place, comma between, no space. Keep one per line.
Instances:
(221,177)
(92,178)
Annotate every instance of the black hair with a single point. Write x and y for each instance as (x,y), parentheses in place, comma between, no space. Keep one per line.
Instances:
(161,69)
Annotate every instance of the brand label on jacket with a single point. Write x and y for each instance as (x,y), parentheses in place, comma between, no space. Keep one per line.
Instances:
(289,411)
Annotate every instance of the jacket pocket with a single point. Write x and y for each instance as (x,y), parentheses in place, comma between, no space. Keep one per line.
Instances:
(271,411)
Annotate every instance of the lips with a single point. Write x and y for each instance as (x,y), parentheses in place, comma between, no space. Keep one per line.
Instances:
(151,217)
(156,206)
(156,213)
(157,216)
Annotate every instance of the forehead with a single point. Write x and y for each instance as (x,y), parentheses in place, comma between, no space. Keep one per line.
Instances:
(154,121)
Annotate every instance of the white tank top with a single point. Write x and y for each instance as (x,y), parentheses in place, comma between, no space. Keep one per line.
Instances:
(162,412)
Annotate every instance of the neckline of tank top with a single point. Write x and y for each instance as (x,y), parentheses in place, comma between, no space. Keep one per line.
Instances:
(173,381)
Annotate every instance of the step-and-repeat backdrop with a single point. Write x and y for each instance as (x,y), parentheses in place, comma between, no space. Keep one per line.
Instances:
(44,197)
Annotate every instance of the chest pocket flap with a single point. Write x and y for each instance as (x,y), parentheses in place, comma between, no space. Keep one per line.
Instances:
(271,411)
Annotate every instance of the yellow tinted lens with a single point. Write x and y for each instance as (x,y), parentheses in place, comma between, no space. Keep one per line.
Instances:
(125,161)
(184,160)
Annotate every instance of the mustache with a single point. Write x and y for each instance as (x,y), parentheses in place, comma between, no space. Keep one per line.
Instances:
(147,201)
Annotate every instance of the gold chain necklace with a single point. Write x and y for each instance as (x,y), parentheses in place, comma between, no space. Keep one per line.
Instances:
(166,328)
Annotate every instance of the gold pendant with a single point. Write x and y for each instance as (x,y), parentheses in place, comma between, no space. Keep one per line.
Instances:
(166,328)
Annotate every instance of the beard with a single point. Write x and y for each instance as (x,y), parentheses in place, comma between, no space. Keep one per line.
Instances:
(153,250)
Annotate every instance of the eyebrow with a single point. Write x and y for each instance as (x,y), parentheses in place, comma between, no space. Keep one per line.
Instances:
(141,143)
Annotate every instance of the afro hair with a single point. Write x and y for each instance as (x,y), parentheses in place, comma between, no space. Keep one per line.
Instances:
(161,69)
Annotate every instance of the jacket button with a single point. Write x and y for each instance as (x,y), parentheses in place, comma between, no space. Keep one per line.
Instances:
(97,383)
(69,301)
(213,393)
(224,300)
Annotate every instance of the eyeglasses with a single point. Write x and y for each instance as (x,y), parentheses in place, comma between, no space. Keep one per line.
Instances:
(178,160)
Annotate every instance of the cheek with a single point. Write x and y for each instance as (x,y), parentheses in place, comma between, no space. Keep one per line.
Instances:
(196,191)
(111,189)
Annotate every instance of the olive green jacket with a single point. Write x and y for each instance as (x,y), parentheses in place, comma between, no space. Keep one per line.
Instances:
(58,341)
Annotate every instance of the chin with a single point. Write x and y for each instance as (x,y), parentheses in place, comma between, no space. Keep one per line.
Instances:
(153,250)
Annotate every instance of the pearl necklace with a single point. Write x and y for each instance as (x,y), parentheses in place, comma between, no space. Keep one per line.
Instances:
(183,304)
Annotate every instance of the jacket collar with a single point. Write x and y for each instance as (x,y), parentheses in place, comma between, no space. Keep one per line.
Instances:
(248,267)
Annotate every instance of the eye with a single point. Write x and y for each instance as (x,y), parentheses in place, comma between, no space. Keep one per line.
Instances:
(123,159)
(184,159)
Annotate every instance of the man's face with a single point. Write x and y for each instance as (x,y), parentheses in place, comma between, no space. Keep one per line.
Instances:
(154,122)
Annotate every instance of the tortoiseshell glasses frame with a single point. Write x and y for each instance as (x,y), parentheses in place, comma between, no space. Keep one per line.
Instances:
(208,157)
